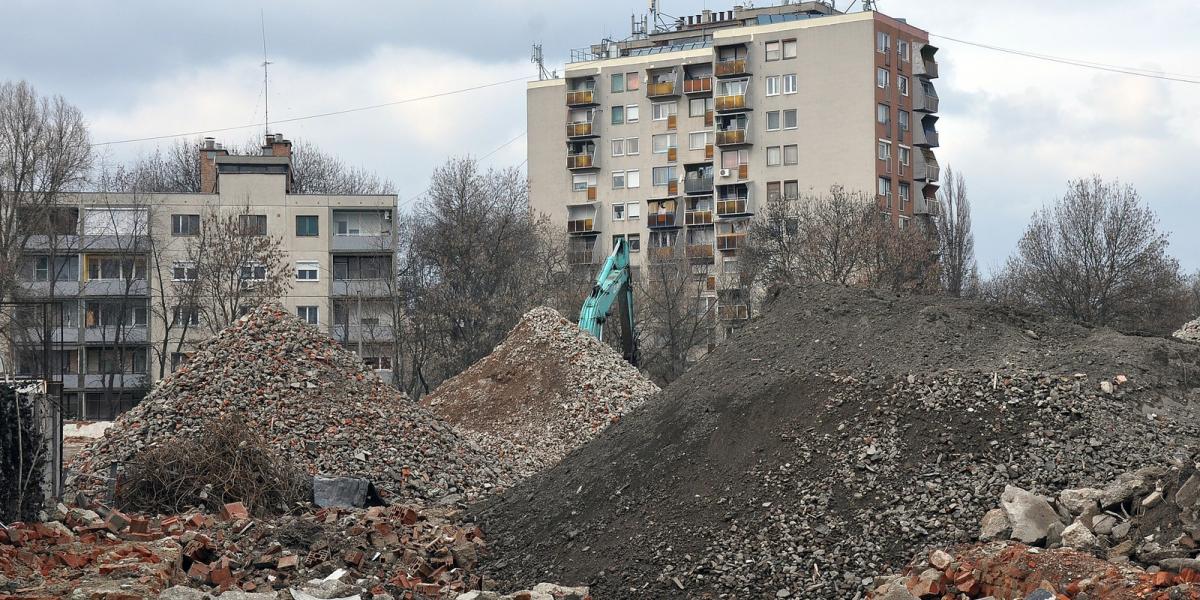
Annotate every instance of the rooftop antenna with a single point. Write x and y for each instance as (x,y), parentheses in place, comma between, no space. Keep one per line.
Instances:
(868,5)
(537,59)
(266,97)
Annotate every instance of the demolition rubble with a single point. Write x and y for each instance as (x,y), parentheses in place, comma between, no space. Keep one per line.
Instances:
(548,388)
(1190,332)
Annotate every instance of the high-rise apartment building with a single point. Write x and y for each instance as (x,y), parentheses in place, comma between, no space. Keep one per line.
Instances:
(677,136)
(114,264)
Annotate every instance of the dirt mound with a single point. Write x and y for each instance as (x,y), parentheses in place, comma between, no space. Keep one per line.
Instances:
(545,390)
(835,435)
(312,400)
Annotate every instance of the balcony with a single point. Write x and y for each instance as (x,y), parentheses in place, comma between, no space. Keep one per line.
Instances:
(730,68)
(362,243)
(733,312)
(582,255)
(114,287)
(585,129)
(698,186)
(927,169)
(732,137)
(41,289)
(121,381)
(926,206)
(697,85)
(925,102)
(110,334)
(368,288)
(589,192)
(581,97)
(662,89)
(731,102)
(581,161)
(927,138)
(733,207)
(662,220)
(67,334)
(729,242)
(701,216)
(362,333)
(587,225)
(700,252)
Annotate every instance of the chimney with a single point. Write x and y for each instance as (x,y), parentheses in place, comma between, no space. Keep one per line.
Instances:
(707,16)
(209,151)
(277,146)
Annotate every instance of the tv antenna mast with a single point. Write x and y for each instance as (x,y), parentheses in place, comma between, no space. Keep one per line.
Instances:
(265,63)
(536,58)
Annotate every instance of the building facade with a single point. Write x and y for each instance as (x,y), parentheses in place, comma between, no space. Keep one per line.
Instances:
(112,265)
(679,136)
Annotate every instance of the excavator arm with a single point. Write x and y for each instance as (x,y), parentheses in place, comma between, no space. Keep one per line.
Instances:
(612,287)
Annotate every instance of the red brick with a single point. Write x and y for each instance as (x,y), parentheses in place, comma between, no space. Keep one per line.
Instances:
(199,571)
(234,510)
(429,589)
(288,561)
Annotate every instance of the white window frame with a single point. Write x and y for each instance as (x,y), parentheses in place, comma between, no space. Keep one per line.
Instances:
(672,142)
(883,42)
(772,83)
(796,154)
(632,146)
(795,118)
(902,84)
(793,45)
(618,146)
(707,137)
(634,241)
(308,265)
(902,48)
(188,267)
(789,83)
(316,313)
(778,120)
(618,175)
(778,156)
(883,150)
(633,211)
(905,192)
(633,179)
(778,50)
(672,108)
(884,187)
(618,211)
(882,77)
(887,113)
(632,113)
(905,155)
(254,267)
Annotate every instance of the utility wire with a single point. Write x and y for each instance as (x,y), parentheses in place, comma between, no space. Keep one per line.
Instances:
(1080,63)
(316,116)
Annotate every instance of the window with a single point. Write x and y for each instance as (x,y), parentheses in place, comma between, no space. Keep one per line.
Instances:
(883,114)
(308,270)
(789,119)
(774,50)
(306,226)
(774,156)
(618,83)
(633,81)
(791,189)
(581,183)
(902,84)
(115,267)
(37,268)
(361,267)
(635,241)
(618,180)
(618,213)
(618,115)
(178,359)
(881,77)
(903,120)
(697,140)
(253,224)
(253,272)
(772,120)
(883,41)
(790,48)
(732,159)
(884,151)
(114,221)
(789,83)
(663,175)
(905,156)
(632,146)
(308,314)
(885,187)
(633,179)
(183,271)
(904,191)
(114,314)
(115,361)
(633,209)
(187,315)
(773,85)
(791,154)
(698,106)
(362,222)
(185,224)
(631,113)
(660,143)
(618,147)
(662,110)
(902,223)
(902,50)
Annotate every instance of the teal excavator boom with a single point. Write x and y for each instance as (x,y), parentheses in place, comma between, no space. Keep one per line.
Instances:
(612,287)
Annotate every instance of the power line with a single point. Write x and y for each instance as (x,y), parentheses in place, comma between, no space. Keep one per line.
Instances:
(1080,63)
(316,116)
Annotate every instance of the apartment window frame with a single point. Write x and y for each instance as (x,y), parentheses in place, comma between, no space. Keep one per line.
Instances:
(581,182)
(618,180)
(114,267)
(311,226)
(791,154)
(633,146)
(904,119)
(883,114)
(618,211)
(707,136)
(902,49)
(252,225)
(902,84)
(883,42)
(774,156)
(309,313)
(252,272)
(773,114)
(771,84)
(617,115)
(668,175)
(882,77)
(791,45)
(633,81)
(633,179)
(616,83)
(670,108)
(184,270)
(905,154)
(307,267)
(706,104)
(883,150)
(773,48)
(884,188)
(672,141)
(632,113)
(795,118)
(905,191)
(618,146)
(186,314)
(790,83)
(634,241)
(185,225)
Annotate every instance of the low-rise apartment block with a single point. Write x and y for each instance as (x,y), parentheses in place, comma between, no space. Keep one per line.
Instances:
(678,136)
(113,264)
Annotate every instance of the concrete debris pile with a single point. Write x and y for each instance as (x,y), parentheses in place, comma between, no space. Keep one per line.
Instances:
(312,400)
(546,389)
(832,438)
(393,552)
(1190,332)
(541,591)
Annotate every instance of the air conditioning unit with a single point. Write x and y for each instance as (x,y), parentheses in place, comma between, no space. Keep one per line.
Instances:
(726,172)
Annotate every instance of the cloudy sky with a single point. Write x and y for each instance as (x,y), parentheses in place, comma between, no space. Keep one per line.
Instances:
(1016,127)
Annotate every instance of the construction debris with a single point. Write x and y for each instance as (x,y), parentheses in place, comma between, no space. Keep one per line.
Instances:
(836,435)
(545,390)
(313,401)
(541,591)
(1190,332)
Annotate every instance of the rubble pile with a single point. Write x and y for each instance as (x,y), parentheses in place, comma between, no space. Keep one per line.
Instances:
(313,401)
(1190,332)
(541,591)
(398,552)
(546,389)
(833,437)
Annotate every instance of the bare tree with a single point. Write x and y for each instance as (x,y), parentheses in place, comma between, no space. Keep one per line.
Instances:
(899,258)
(1194,294)
(955,237)
(174,169)
(835,229)
(1097,256)
(675,319)
(317,172)
(238,266)
(775,248)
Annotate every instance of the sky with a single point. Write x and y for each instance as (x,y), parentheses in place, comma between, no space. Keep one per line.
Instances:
(1016,128)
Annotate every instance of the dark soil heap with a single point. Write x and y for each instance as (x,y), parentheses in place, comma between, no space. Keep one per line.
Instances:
(545,390)
(310,399)
(832,438)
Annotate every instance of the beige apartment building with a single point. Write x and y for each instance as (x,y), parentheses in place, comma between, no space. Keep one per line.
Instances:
(678,136)
(111,258)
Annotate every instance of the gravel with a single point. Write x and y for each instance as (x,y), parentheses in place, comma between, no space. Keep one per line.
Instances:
(312,400)
(832,438)
(545,390)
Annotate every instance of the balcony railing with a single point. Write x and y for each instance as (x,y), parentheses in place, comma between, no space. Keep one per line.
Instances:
(925,68)
(661,219)
(580,161)
(729,68)
(925,137)
(698,217)
(733,312)
(586,129)
(733,207)
(731,102)
(730,241)
(699,85)
(730,137)
(663,252)
(927,170)
(925,102)
(701,186)
(580,97)
(661,89)
(581,225)
(581,257)
(700,251)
